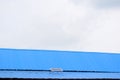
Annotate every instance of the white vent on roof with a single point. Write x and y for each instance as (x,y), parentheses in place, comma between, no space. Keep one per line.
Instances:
(56,69)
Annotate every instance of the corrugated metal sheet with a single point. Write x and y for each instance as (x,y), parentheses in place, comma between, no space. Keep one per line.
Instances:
(57,75)
(106,65)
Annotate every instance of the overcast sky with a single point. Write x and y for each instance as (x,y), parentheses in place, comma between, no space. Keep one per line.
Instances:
(75,25)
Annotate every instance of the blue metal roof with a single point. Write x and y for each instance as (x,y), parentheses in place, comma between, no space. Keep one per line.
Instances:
(58,75)
(67,60)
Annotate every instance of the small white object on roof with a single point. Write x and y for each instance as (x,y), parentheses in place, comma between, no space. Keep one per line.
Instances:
(56,69)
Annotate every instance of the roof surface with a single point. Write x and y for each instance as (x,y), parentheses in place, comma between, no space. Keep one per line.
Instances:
(106,65)
(57,75)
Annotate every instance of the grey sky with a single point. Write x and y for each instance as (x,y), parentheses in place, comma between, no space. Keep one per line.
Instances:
(79,25)
(107,3)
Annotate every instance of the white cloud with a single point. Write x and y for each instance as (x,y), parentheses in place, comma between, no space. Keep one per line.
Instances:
(59,24)
(106,37)
(36,24)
